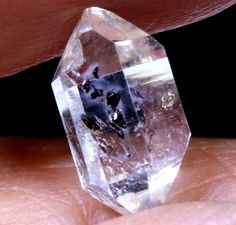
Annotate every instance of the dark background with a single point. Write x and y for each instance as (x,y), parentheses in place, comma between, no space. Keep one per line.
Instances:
(203,60)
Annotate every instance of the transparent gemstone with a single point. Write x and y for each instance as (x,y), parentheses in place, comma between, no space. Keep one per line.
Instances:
(121,111)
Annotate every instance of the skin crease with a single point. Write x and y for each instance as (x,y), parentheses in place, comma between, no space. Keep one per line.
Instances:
(35,31)
(38,181)
(39,185)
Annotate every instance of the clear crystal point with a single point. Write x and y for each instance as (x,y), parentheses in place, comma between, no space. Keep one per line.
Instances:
(121,111)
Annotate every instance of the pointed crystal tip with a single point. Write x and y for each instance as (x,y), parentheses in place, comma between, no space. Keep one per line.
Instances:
(109,25)
(121,111)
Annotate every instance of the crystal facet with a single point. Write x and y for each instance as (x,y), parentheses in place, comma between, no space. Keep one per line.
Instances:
(121,111)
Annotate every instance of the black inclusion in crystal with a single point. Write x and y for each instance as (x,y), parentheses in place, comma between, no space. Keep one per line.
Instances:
(95,72)
(140,114)
(86,86)
(96,93)
(139,110)
(113,99)
(117,129)
(119,119)
(132,184)
(108,100)
(138,103)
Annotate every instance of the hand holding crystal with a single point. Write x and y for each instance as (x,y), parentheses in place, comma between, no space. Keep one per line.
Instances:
(39,186)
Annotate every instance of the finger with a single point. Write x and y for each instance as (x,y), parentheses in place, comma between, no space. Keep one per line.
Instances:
(196,213)
(39,185)
(34,31)
(208,172)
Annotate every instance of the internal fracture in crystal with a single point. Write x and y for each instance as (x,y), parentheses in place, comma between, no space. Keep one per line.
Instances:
(121,112)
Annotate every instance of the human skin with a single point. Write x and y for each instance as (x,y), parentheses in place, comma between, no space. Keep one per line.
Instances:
(39,185)
(38,181)
(35,31)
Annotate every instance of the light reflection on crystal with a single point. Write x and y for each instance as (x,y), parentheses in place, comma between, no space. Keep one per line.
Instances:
(121,111)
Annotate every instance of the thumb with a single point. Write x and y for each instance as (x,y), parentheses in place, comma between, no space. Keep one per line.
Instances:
(195,213)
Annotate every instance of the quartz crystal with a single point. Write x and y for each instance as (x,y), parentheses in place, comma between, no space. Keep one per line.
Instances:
(121,112)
